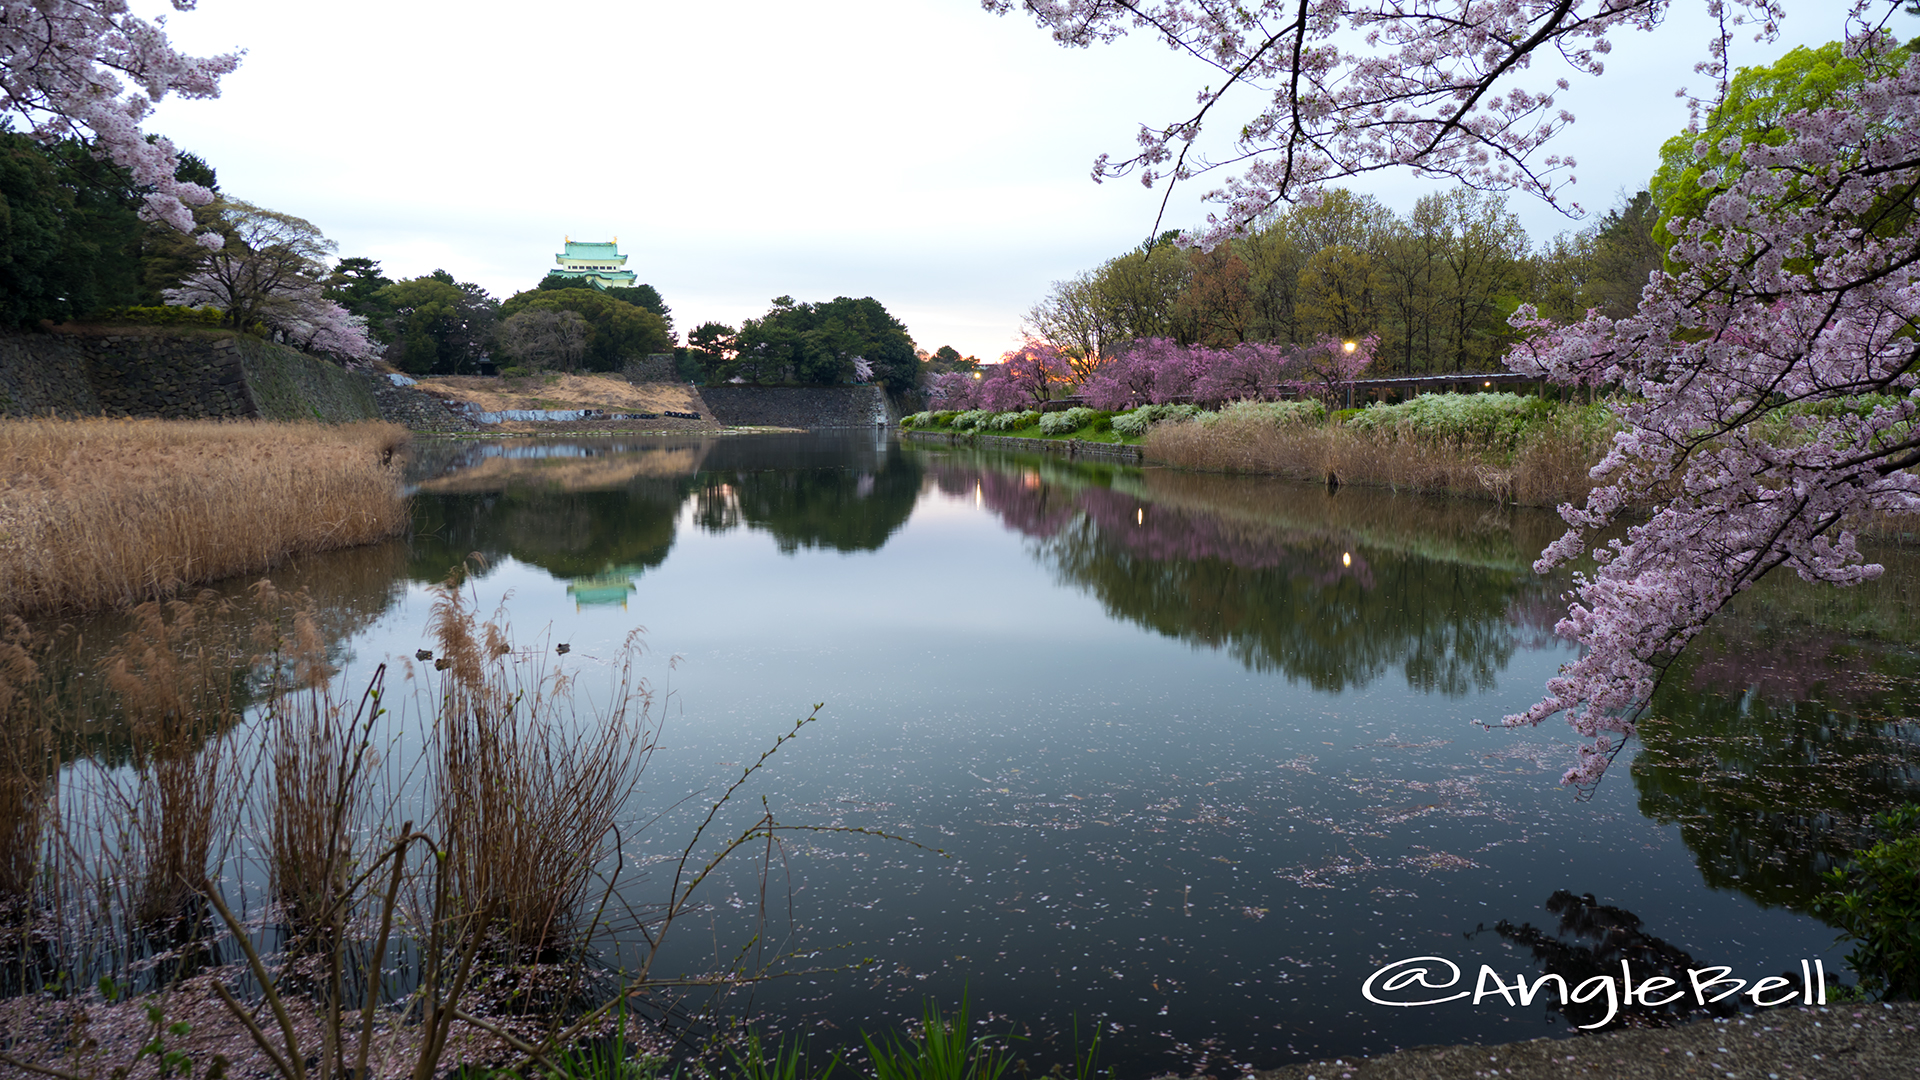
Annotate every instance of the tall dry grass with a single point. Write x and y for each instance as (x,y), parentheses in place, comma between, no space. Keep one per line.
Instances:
(109,513)
(527,793)
(216,755)
(1549,466)
(26,767)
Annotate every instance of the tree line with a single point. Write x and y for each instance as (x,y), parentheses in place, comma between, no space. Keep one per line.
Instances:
(73,246)
(1436,285)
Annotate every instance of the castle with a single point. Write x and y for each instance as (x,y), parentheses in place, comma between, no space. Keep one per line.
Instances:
(599,265)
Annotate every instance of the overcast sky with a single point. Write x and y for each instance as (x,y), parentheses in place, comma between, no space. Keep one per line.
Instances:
(922,152)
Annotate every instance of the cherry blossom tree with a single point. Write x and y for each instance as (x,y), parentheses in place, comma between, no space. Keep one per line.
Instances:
(1160,370)
(264,261)
(1328,367)
(267,273)
(316,324)
(954,390)
(1768,388)
(1024,378)
(1446,87)
(65,66)
(1773,397)
(1250,371)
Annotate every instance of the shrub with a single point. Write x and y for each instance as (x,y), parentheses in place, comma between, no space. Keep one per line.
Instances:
(944,417)
(1875,899)
(919,419)
(168,315)
(1498,421)
(1010,421)
(1134,424)
(971,419)
(1067,422)
(1277,413)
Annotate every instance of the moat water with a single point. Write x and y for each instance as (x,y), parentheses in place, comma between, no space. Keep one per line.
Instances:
(1200,754)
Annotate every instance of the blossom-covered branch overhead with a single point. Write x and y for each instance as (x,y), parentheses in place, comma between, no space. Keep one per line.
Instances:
(1766,385)
(1445,87)
(65,69)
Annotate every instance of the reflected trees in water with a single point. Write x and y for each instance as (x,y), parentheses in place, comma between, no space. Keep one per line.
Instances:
(1772,750)
(1312,605)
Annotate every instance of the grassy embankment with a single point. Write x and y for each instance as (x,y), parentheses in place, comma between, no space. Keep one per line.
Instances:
(108,513)
(1501,446)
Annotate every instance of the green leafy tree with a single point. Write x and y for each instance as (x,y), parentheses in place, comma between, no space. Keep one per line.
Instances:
(1626,249)
(68,232)
(642,296)
(647,298)
(1749,114)
(355,283)
(1339,293)
(947,359)
(617,331)
(818,344)
(710,347)
(438,326)
(97,233)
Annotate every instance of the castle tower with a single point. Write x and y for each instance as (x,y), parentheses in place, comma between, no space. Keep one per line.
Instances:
(596,264)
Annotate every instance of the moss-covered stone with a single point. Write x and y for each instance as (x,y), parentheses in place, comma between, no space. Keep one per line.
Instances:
(173,373)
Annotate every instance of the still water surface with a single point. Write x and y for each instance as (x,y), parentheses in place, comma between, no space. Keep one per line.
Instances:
(1201,751)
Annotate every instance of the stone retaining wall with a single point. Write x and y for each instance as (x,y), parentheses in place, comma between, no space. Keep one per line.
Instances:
(798,406)
(414,408)
(173,374)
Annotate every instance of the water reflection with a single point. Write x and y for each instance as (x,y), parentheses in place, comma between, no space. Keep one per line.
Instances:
(848,508)
(1202,746)
(1771,748)
(1280,583)
(601,513)
(1591,941)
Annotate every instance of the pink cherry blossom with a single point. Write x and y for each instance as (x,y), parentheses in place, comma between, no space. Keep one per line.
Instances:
(65,66)
(1765,390)
(1767,401)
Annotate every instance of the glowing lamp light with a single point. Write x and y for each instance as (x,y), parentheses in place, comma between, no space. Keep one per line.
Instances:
(1489,382)
(1350,345)
(1346,558)
(1140,516)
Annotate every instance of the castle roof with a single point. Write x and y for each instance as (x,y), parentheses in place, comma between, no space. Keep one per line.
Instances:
(608,251)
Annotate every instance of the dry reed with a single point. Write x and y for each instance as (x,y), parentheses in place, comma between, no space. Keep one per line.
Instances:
(175,678)
(108,513)
(321,753)
(527,793)
(128,862)
(26,765)
(1549,468)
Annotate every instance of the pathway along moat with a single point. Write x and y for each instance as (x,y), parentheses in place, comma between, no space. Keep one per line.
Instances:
(1201,750)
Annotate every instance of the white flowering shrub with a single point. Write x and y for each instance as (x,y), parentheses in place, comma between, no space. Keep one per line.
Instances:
(1277,413)
(919,419)
(1065,423)
(1135,423)
(1496,420)
(970,419)
(1009,421)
